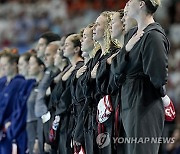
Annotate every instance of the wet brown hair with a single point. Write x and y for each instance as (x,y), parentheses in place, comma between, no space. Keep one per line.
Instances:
(13,58)
(152,5)
(76,40)
(26,56)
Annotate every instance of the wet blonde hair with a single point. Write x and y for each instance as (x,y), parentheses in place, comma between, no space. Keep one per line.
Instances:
(156,2)
(107,34)
(81,32)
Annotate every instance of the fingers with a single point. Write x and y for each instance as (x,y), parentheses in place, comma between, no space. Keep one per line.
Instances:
(93,72)
(81,71)
(73,67)
(14,148)
(47,147)
(135,38)
(109,60)
(138,36)
(7,125)
(141,33)
(114,54)
(96,66)
(79,74)
(35,148)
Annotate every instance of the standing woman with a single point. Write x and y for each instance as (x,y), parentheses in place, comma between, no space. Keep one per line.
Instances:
(35,71)
(87,46)
(62,64)
(23,64)
(118,61)
(77,90)
(101,34)
(64,112)
(21,110)
(105,83)
(117,27)
(146,74)
(90,90)
(10,117)
(2,74)
(60,61)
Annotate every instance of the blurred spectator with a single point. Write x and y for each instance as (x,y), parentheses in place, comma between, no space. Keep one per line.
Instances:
(22,21)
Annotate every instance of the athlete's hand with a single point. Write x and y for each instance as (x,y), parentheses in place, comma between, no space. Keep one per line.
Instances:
(135,38)
(68,73)
(81,71)
(94,71)
(109,60)
(35,148)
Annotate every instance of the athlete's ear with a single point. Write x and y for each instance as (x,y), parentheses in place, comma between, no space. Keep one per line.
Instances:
(142,3)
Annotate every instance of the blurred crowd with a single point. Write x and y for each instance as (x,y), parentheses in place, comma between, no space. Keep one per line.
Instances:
(22,22)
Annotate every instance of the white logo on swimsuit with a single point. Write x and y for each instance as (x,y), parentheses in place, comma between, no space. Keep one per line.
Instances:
(169,111)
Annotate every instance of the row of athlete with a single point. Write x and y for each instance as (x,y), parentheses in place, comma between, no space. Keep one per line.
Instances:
(94,96)
(87,98)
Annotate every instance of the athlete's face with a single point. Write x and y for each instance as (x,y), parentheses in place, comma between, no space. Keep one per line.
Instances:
(87,42)
(99,28)
(127,21)
(1,70)
(58,57)
(69,49)
(23,66)
(134,7)
(34,67)
(41,46)
(49,55)
(116,26)
(7,67)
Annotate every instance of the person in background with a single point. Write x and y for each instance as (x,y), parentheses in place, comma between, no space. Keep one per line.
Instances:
(62,64)
(60,61)
(10,103)
(2,73)
(64,114)
(77,87)
(43,41)
(35,71)
(23,64)
(1,70)
(44,91)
